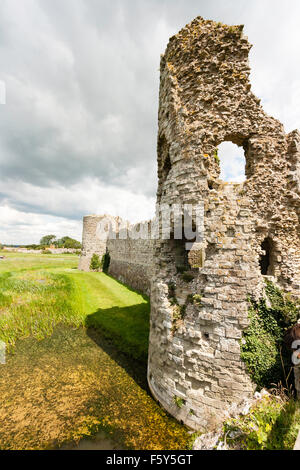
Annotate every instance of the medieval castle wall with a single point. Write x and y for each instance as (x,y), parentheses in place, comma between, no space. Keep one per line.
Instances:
(251,230)
(131,258)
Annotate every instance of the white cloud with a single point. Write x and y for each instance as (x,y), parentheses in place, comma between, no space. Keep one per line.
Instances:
(89,195)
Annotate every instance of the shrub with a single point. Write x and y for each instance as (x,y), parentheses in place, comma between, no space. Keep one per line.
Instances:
(262,346)
(177,314)
(95,264)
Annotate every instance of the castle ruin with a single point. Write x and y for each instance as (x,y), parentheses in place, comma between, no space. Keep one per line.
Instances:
(251,229)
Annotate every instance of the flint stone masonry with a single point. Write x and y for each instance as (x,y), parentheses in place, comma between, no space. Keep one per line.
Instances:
(199,306)
(205,99)
(131,257)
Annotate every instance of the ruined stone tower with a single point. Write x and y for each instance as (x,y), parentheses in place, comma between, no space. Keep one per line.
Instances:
(251,230)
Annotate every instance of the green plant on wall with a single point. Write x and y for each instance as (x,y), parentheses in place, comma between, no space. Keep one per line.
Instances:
(262,349)
(172,293)
(179,312)
(95,264)
(180,269)
(171,289)
(179,401)
(271,424)
(197,299)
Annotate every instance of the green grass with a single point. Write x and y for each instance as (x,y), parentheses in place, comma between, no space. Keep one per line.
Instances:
(33,301)
(33,307)
(78,343)
(24,261)
(123,316)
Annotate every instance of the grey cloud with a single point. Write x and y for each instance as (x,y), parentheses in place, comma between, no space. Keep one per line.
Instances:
(108,130)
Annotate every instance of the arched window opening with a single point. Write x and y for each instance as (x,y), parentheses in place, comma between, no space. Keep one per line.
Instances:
(266,258)
(231,159)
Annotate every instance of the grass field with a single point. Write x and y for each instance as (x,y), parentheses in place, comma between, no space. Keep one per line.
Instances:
(76,363)
(38,292)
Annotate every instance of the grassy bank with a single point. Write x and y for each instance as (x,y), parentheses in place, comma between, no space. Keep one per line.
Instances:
(123,316)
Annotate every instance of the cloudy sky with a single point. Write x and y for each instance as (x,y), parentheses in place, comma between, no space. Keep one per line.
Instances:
(78,131)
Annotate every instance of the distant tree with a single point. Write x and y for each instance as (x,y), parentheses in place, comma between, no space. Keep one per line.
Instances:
(33,247)
(47,240)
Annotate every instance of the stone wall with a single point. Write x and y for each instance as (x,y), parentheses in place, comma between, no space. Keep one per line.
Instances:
(54,251)
(205,99)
